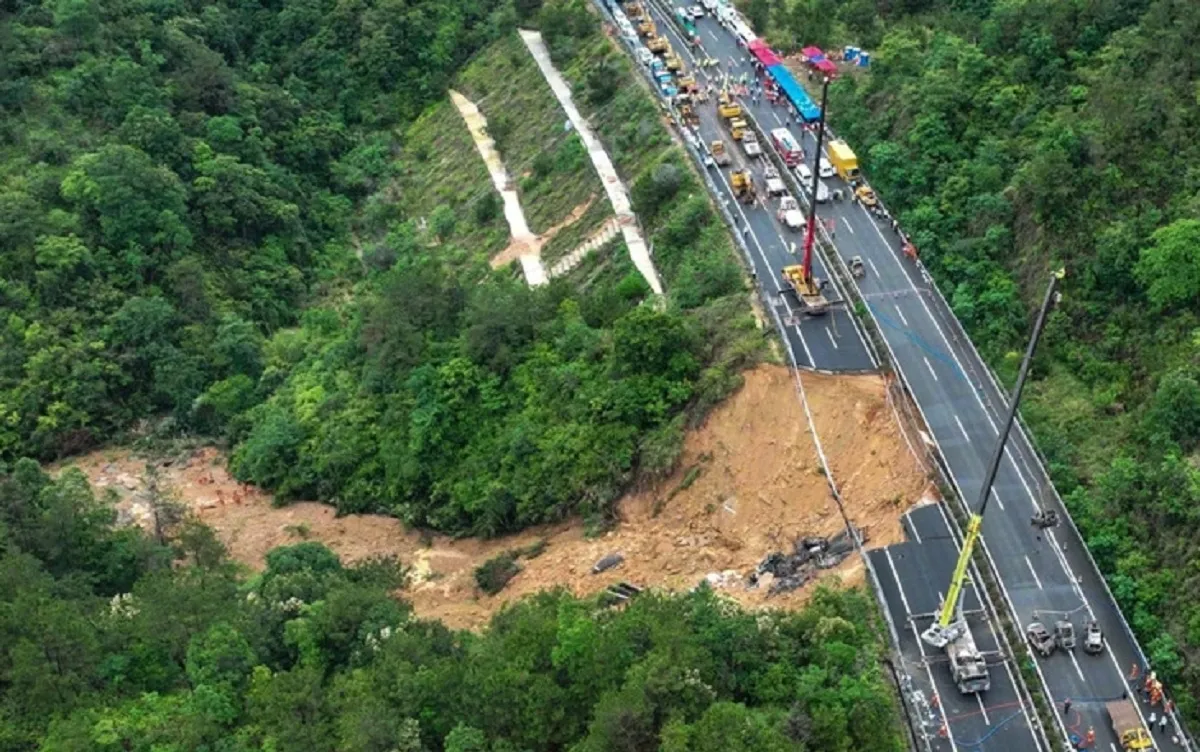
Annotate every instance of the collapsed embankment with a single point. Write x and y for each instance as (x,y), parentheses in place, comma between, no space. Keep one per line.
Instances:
(749,483)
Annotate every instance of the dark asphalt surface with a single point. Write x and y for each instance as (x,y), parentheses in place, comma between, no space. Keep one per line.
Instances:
(831,342)
(913,577)
(1043,575)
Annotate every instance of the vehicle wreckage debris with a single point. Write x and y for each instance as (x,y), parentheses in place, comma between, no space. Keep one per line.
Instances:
(810,555)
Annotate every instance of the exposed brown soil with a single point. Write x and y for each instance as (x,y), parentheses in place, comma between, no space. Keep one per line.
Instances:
(755,486)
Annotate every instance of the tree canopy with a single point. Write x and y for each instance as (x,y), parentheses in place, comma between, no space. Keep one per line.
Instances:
(114,641)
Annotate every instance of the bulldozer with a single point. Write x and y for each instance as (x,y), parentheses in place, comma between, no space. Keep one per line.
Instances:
(728,108)
(659,45)
(634,10)
(743,186)
(647,28)
(737,128)
(673,62)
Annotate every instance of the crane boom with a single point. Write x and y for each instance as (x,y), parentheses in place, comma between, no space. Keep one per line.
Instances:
(950,625)
(811,230)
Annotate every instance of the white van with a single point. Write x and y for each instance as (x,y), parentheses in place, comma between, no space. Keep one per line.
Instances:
(709,5)
(822,192)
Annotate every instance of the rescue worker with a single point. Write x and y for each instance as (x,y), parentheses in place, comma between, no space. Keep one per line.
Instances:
(1066,706)
(1162,723)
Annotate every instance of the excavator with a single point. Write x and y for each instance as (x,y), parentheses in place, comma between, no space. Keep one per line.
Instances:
(950,630)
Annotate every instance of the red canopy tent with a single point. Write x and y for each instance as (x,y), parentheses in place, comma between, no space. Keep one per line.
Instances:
(828,67)
(764,53)
(812,52)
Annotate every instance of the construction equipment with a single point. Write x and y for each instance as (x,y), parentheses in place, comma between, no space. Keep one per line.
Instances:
(789,213)
(738,128)
(688,83)
(844,161)
(726,107)
(807,288)
(775,184)
(950,630)
(720,156)
(1064,634)
(743,186)
(1093,640)
(1127,725)
(659,45)
(673,61)
(800,278)
(634,10)
(647,28)
(750,144)
(967,665)
(1040,638)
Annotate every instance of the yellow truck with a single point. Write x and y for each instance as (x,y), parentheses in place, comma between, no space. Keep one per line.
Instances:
(738,128)
(1128,726)
(844,161)
(808,290)
(728,108)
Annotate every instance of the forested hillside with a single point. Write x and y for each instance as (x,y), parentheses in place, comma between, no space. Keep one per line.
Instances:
(108,646)
(1016,136)
(214,213)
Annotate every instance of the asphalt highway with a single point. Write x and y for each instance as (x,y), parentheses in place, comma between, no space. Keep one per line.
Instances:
(913,576)
(1044,575)
(833,342)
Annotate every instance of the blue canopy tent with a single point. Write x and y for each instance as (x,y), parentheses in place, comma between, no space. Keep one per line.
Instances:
(799,98)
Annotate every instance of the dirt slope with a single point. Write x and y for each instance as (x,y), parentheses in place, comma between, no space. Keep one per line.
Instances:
(749,483)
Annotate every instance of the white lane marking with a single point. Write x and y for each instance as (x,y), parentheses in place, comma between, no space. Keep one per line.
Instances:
(831,339)
(1113,747)
(920,643)
(982,709)
(1033,572)
(800,334)
(712,36)
(876,270)
(776,116)
(898,309)
(1077,669)
(962,428)
(929,365)
(850,227)
(996,496)
(913,526)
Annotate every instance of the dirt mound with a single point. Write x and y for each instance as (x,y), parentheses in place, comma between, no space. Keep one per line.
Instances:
(749,484)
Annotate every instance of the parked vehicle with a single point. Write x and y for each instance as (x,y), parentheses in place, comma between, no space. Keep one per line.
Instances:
(1040,638)
(844,161)
(866,195)
(1064,634)
(788,147)
(775,184)
(804,175)
(1093,640)
(789,213)
(825,169)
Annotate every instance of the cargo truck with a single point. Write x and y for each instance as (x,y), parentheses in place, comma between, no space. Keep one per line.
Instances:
(1127,725)
(844,161)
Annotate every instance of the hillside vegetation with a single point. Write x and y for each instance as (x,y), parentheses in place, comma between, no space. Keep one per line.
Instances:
(1017,136)
(108,647)
(268,225)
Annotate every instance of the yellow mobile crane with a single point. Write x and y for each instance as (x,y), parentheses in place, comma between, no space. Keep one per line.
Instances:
(950,631)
